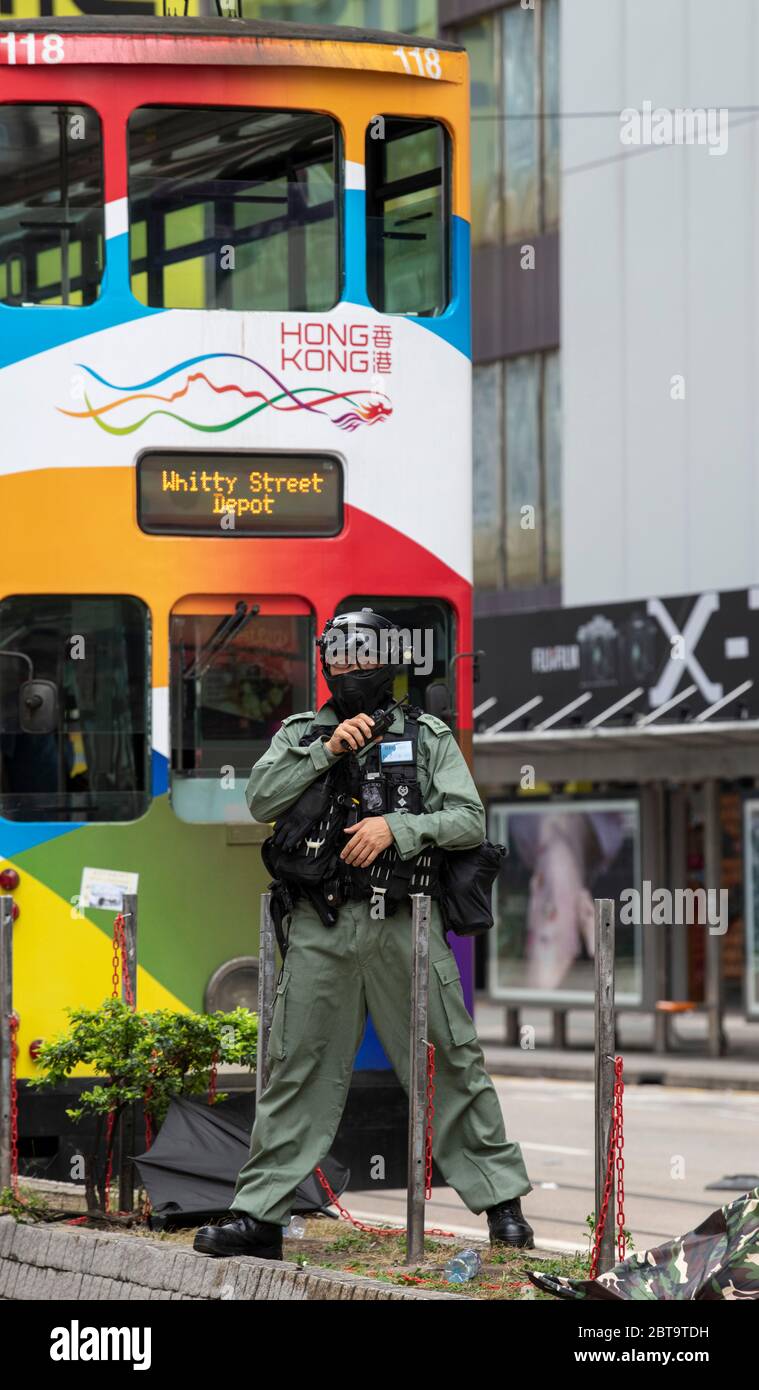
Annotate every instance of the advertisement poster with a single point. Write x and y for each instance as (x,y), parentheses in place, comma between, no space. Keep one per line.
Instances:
(562,856)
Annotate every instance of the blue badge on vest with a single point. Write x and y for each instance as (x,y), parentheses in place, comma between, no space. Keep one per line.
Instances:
(401,752)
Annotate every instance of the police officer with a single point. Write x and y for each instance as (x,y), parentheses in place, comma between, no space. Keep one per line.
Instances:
(332,975)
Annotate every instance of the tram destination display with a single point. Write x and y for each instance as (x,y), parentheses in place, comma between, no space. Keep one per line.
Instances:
(204,494)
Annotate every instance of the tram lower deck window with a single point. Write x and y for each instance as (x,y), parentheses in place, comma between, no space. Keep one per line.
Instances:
(89,759)
(51,205)
(408,216)
(233,209)
(238,667)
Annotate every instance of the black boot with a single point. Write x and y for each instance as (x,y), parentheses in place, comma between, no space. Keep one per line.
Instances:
(507,1225)
(241,1235)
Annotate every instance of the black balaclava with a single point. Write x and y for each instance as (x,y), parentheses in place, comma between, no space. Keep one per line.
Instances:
(361,692)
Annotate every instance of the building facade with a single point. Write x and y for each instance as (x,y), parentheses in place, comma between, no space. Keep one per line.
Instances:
(617,491)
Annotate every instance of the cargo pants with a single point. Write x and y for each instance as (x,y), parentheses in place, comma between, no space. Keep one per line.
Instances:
(330,977)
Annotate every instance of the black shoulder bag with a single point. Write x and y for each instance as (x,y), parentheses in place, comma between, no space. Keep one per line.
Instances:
(466,887)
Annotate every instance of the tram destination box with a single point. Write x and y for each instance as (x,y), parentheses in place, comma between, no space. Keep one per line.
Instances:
(239,494)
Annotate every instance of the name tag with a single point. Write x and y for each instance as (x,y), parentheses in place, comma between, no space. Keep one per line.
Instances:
(397,752)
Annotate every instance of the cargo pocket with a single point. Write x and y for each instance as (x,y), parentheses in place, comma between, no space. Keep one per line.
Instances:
(279,1012)
(460,1023)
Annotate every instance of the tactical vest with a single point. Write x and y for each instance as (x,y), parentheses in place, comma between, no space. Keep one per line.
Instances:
(305,849)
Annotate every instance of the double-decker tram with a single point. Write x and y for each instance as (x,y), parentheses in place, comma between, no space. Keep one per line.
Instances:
(235,383)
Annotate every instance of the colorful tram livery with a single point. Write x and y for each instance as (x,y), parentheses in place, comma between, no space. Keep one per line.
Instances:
(236,395)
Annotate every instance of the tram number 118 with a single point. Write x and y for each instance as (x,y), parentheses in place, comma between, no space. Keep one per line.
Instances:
(50,50)
(430,67)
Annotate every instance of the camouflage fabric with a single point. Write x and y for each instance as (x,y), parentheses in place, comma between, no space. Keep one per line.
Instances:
(719,1260)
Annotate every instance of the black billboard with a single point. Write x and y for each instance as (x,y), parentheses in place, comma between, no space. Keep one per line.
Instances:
(671,658)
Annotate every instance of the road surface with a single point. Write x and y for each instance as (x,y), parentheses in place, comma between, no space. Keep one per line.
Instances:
(676,1142)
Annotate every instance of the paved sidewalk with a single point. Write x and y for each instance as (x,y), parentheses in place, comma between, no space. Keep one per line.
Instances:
(690,1065)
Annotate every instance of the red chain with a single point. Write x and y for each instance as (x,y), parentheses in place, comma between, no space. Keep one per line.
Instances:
(616,1145)
(119,944)
(13,1022)
(119,959)
(212,1079)
(398,1230)
(361,1225)
(619,1087)
(109,1160)
(430,1115)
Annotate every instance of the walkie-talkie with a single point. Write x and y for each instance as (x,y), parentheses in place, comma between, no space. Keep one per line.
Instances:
(382,718)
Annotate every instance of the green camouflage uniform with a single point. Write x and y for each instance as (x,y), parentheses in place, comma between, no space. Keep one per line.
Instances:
(332,975)
(719,1260)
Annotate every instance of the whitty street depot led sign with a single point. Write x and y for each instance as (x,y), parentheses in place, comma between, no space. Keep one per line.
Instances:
(239,494)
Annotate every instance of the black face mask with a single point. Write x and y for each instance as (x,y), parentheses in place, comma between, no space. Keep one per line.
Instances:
(361,692)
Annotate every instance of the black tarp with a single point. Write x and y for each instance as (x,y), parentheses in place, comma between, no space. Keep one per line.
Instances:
(190,1170)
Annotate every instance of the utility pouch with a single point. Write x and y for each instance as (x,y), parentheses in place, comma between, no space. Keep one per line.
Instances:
(466,887)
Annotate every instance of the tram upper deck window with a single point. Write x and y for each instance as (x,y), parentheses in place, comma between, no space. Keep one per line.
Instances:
(51,205)
(233,209)
(239,665)
(408,216)
(86,659)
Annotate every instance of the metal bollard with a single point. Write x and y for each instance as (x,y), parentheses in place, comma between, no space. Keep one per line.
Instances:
(128,1126)
(604,1070)
(129,966)
(6,1010)
(266,977)
(417,1092)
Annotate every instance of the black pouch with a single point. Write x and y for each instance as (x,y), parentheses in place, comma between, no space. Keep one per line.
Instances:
(466,887)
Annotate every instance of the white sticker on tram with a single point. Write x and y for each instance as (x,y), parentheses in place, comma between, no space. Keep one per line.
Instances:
(161,719)
(355,175)
(116,217)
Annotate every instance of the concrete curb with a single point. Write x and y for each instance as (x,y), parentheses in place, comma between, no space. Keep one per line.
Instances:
(50,1263)
(663,1069)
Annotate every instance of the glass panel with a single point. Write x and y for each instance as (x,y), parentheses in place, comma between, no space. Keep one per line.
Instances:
(395,16)
(235,675)
(429,626)
(407,204)
(51,205)
(521,126)
(94,765)
(522,471)
(488,468)
(227,206)
(552,448)
(481,42)
(551,114)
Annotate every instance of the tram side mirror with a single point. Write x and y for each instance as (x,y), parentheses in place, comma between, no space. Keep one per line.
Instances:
(38,707)
(437,701)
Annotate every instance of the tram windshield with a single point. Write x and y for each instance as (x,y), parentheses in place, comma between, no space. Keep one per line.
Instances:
(238,668)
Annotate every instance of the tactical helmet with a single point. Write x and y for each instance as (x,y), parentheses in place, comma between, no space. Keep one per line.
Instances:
(361,638)
(370,641)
